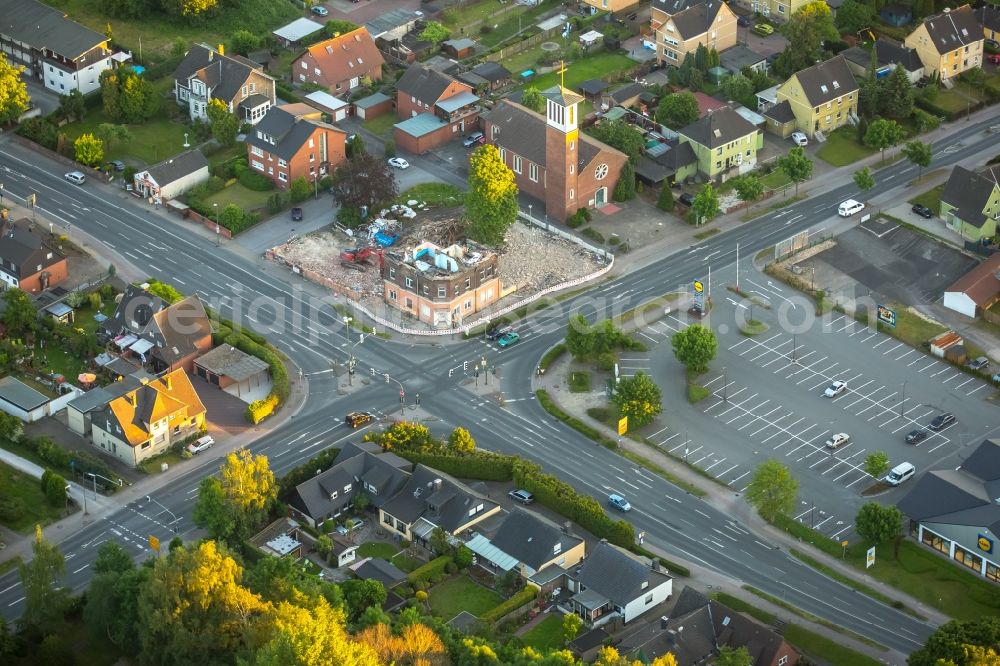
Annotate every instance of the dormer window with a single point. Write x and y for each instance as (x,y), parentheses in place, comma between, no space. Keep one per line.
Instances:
(645,584)
(333,495)
(556,549)
(824,89)
(347,488)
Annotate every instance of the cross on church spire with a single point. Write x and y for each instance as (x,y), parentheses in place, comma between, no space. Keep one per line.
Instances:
(562,73)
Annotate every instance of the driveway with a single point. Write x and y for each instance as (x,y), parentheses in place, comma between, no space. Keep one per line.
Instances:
(225,412)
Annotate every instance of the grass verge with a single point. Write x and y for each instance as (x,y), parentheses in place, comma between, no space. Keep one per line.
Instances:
(842,148)
(551,356)
(737,604)
(696,393)
(646,309)
(931,198)
(579,381)
(760,212)
(12,563)
(753,327)
(707,233)
(826,650)
(458,594)
(433,194)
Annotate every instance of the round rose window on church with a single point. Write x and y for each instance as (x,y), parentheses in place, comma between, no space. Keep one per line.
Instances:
(601,171)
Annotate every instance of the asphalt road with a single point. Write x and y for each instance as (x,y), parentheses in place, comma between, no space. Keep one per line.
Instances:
(303,324)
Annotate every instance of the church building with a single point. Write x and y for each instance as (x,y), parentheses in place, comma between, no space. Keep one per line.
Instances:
(551,159)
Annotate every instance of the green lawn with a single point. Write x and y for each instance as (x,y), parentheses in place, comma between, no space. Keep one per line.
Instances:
(579,382)
(382,125)
(433,194)
(822,648)
(379,549)
(457,17)
(25,489)
(952,101)
(58,359)
(509,24)
(405,563)
(776,180)
(842,148)
(546,635)
(152,142)
(458,594)
(931,198)
(591,67)
(243,197)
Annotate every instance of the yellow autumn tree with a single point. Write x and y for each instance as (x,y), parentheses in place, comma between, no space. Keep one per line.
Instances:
(491,204)
(248,486)
(977,655)
(608,656)
(88,149)
(13,91)
(418,645)
(405,436)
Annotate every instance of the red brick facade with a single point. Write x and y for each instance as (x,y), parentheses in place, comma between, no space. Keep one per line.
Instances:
(319,154)
(57,272)
(340,64)
(408,106)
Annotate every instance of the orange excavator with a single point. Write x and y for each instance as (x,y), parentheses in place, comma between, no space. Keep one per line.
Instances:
(356,257)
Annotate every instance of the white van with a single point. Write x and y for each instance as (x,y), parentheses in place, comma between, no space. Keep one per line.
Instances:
(900,473)
(850,207)
(75,177)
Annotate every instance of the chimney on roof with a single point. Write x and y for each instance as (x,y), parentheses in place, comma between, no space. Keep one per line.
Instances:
(169,382)
(130,397)
(655,564)
(567,527)
(437,485)
(222,49)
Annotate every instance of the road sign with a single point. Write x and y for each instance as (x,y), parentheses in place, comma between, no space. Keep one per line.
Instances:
(154,543)
(699,295)
(870,560)
(698,287)
(623,425)
(886,316)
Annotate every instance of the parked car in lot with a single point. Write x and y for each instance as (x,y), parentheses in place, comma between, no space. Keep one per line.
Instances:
(800,139)
(508,338)
(835,389)
(838,440)
(923,211)
(350,525)
(398,163)
(916,436)
(474,139)
(942,421)
(763,29)
(980,363)
(619,503)
(686,198)
(522,496)
(900,473)
(201,444)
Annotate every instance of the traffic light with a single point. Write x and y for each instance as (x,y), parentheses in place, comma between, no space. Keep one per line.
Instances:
(361,338)
(373,372)
(451,371)
(465,366)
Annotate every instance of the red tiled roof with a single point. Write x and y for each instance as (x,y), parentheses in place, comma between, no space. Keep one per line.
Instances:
(981,283)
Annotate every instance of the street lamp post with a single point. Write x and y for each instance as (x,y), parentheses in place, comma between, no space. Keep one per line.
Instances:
(1,195)
(352,362)
(33,197)
(215,207)
(725,384)
(529,205)
(902,399)
(487,374)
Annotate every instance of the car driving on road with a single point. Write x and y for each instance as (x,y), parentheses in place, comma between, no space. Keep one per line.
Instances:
(508,338)
(398,163)
(497,330)
(619,503)
(835,389)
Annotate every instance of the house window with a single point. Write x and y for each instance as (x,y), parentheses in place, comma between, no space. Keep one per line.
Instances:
(282,163)
(312,157)
(333,495)
(282,176)
(649,599)
(244,91)
(468,282)
(409,303)
(718,151)
(312,142)
(442,292)
(517,164)
(781,9)
(146,445)
(316,71)
(533,172)
(253,87)
(409,283)
(387,519)
(572,195)
(347,488)
(304,65)
(468,305)
(503,155)
(257,165)
(392,272)
(783,660)
(718,165)
(392,294)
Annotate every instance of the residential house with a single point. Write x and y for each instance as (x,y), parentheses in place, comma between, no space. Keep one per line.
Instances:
(340,64)
(948,43)
(292,142)
(977,290)
(724,142)
(774,10)
(206,74)
(439,286)
(434,108)
(163,336)
(27,259)
(670,161)
(611,5)
(626,96)
(888,55)
(234,372)
(149,419)
(988,16)
(613,585)
(527,543)
(896,14)
(970,202)
(740,57)
(821,98)
(487,76)
(61,53)
(710,23)
(292,34)
(385,572)
(955,511)
(344,552)
(698,627)
(551,160)
(80,412)
(173,176)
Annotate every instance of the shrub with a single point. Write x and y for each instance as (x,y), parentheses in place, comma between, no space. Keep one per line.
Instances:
(924,121)
(452,568)
(426,572)
(277,201)
(577,219)
(420,596)
(390,148)
(522,598)
(593,234)
(216,184)
(551,355)
(259,410)
(255,181)
(483,465)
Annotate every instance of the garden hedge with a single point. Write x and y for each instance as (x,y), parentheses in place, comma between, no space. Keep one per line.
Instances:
(525,596)
(427,571)
(482,465)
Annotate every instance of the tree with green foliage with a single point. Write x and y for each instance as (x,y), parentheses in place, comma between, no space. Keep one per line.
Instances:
(323,545)
(435,33)
(639,398)
(300,189)
(111,601)
(112,134)
(88,150)
(225,126)
(491,203)
(883,133)
(243,41)
(749,188)
(621,135)
(137,100)
(728,656)
(532,98)
(337,27)
(695,346)
(853,16)
(737,87)
(677,110)
(355,148)
(806,30)
(877,523)
(373,615)
(72,106)
(232,217)
(625,187)
(460,441)
(705,206)
(950,642)
(54,487)
(230,507)
(361,594)
(165,290)
(45,601)
(920,154)
(14,99)
(665,200)
(571,624)
(20,315)
(211,512)
(864,179)
(579,339)
(11,427)
(463,557)
(876,463)
(439,542)
(796,166)
(195,11)
(772,489)
(364,181)
(897,94)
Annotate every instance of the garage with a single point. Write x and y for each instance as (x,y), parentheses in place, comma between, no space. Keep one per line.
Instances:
(327,103)
(975,291)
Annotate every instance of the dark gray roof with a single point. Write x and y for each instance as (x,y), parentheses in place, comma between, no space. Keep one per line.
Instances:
(696,19)
(23,249)
(886,53)
(593,87)
(98,398)
(262,57)
(134,312)
(737,57)
(313,496)
(20,394)
(679,155)
(464,622)
(617,576)
(441,64)
(781,112)
(954,29)
(652,171)
(223,74)
(827,81)
(287,130)
(472,79)
(969,191)
(229,361)
(718,128)
(532,540)
(627,92)
(675,6)
(426,84)
(255,100)
(174,329)
(736,630)
(688,634)
(964,496)
(437,498)
(989,17)
(178,167)
(493,72)
(382,571)
(43,27)
(522,132)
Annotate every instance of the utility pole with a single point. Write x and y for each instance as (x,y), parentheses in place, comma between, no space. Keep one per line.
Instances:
(793,348)
(725,384)
(738,268)
(902,399)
